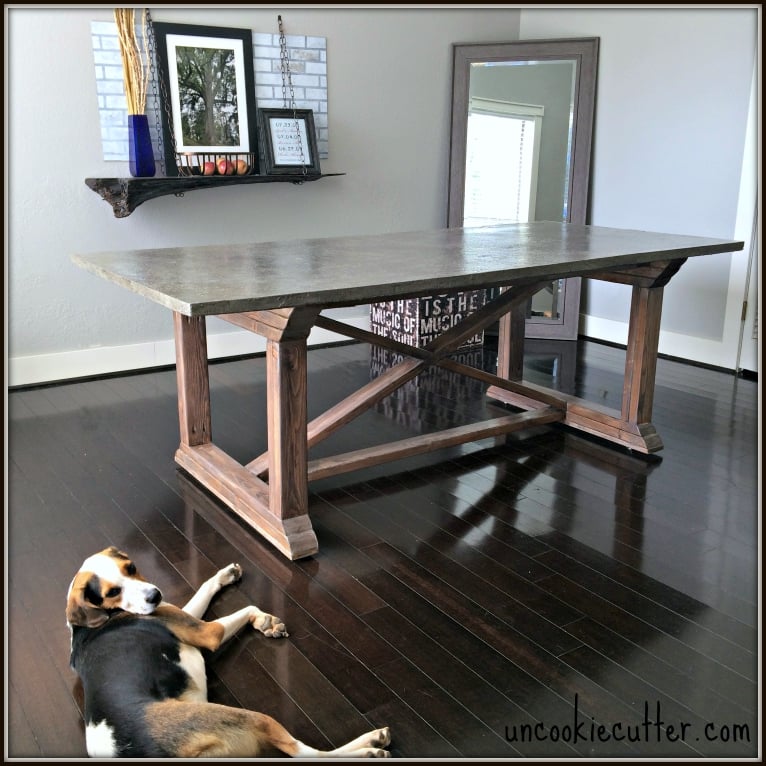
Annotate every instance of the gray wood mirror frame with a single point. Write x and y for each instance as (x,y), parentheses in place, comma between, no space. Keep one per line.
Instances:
(537,97)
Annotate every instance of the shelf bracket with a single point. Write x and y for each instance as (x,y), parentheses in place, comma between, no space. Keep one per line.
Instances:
(126,194)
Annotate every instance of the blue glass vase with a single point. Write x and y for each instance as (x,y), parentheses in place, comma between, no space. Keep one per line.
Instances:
(140,151)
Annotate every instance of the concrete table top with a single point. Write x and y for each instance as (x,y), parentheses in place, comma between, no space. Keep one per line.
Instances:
(351,270)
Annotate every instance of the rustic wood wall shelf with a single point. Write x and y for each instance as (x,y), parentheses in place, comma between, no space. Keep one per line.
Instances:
(126,194)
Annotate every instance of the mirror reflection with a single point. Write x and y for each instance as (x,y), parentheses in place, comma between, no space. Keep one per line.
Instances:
(514,109)
(520,118)
(521,134)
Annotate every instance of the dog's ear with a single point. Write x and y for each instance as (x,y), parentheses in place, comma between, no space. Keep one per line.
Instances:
(83,605)
(115,552)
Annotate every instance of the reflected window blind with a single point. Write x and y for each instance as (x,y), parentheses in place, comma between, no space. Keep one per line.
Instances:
(501,165)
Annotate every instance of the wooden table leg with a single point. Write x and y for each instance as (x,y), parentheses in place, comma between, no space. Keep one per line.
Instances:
(288,448)
(641,364)
(193,383)
(631,425)
(278,510)
(510,342)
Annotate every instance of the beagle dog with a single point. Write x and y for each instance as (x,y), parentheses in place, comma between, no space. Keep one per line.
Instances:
(143,675)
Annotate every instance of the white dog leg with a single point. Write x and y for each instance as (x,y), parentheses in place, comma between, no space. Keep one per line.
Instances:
(369,745)
(268,624)
(200,601)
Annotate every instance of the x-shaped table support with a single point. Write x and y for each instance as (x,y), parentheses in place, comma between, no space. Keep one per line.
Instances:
(271,491)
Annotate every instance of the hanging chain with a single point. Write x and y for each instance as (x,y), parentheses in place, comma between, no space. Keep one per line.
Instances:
(161,98)
(284,65)
(154,76)
(287,85)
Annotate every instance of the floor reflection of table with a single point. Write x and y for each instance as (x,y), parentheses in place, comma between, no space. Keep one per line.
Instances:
(279,289)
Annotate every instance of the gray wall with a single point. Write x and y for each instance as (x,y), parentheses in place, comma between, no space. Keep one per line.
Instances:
(389,83)
(671,113)
(670,123)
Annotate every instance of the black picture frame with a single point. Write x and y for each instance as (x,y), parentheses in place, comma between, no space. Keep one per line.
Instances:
(279,141)
(234,130)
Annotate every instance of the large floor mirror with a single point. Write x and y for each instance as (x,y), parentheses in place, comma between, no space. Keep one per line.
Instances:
(522,126)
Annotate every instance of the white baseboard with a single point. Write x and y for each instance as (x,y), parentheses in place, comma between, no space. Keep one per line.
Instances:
(105,360)
(700,350)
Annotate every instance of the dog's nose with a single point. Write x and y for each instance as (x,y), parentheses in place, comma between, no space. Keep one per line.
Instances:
(154,597)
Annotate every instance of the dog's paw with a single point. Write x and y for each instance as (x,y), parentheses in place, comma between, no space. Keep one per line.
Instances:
(370,745)
(381,738)
(229,574)
(270,626)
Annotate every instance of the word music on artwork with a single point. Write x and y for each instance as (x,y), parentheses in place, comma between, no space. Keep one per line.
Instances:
(417,321)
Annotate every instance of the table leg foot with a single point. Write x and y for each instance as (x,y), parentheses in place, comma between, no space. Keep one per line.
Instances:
(247,496)
(642,437)
(604,422)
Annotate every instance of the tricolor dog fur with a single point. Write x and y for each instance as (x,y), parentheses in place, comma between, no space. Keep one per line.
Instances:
(143,675)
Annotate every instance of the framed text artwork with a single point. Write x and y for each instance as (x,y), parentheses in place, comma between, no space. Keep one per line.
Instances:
(289,141)
(206,76)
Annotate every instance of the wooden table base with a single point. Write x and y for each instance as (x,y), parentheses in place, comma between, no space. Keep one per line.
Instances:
(271,491)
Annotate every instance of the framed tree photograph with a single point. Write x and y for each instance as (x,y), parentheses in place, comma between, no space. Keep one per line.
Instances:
(207,87)
(289,141)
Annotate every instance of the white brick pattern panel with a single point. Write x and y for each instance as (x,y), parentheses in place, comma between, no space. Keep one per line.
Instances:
(308,72)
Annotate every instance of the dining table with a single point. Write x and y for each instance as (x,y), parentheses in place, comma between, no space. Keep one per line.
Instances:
(281,290)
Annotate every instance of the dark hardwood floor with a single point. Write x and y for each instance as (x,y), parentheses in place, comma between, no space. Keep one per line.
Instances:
(494,600)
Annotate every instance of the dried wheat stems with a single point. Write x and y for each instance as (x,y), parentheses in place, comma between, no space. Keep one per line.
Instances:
(135,58)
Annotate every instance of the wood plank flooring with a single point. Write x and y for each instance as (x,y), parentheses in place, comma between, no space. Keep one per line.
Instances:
(547,596)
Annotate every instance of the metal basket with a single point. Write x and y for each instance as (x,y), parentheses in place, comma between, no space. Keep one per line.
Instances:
(216,163)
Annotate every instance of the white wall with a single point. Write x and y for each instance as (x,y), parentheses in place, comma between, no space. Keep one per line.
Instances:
(670,132)
(389,82)
(669,154)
